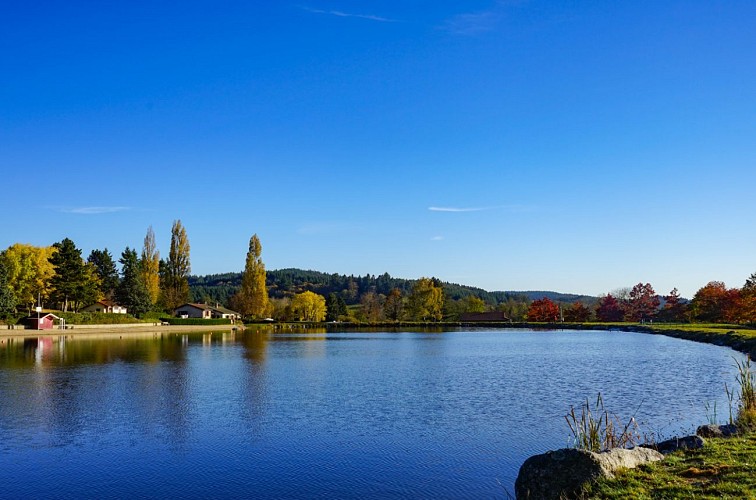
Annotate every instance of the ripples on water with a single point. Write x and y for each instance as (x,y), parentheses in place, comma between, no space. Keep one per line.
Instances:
(337,415)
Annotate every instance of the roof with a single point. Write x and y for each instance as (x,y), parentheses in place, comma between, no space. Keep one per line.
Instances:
(107,303)
(206,307)
(41,315)
(223,310)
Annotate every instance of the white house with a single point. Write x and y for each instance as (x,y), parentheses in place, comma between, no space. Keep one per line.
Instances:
(205,311)
(105,306)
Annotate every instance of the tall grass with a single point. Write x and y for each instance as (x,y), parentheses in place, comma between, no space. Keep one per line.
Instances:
(745,377)
(595,429)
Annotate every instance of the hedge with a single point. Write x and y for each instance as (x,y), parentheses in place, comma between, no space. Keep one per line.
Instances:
(196,321)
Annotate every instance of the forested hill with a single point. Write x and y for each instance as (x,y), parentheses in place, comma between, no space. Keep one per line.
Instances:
(287,282)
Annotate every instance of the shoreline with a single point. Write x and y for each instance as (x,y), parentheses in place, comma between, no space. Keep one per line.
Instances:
(128,329)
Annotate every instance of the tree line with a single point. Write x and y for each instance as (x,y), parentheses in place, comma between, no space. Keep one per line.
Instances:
(712,303)
(60,278)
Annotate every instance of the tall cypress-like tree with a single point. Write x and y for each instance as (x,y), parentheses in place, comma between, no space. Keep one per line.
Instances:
(175,275)
(252,298)
(151,266)
(105,269)
(132,292)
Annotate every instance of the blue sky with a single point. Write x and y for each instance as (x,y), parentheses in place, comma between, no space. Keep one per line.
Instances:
(521,145)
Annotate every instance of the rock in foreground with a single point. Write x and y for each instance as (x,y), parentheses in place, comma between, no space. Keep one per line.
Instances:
(561,473)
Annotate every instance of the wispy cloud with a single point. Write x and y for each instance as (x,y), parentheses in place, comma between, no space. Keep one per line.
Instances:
(508,208)
(437,238)
(471,23)
(339,13)
(482,21)
(92,210)
(459,209)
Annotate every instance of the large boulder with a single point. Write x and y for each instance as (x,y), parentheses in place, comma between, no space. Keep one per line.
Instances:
(561,473)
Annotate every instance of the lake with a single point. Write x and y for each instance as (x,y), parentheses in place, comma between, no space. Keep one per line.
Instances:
(420,414)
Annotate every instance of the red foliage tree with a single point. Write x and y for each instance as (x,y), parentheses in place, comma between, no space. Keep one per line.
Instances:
(609,309)
(543,310)
(674,309)
(642,303)
(748,300)
(715,303)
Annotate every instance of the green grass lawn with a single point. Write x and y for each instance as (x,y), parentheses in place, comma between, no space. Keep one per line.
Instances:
(724,468)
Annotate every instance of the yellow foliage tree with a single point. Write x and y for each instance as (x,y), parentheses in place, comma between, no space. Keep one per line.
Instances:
(309,306)
(150,266)
(29,272)
(426,302)
(252,298)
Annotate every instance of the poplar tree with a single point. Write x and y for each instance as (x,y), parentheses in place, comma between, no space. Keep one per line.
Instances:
(150,266)
(252,298)
(175,276)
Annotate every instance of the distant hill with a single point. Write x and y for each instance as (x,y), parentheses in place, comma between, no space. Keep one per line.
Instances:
(286,282)
(559,297)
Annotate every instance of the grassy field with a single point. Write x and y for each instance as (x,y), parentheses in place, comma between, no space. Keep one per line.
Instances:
(724,468)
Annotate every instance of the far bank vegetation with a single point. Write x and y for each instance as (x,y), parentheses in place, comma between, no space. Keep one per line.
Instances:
(59,278)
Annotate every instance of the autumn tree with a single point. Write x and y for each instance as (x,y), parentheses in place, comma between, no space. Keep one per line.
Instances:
(609,309)
(393,306)
(674,308)
(150,266)
(281,309)
(29,272)
(642,303)
(372,306)
(577,313)
(473,304)
(308,306)
(74,283)
(747,312)
(543,310)
(252,298)
(715,303)
(426,300)
(105,270)
(514,307)
(175,271)
(336,308)
(7,300)
(132,292)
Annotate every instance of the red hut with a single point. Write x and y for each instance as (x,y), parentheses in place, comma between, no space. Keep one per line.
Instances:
(44,322)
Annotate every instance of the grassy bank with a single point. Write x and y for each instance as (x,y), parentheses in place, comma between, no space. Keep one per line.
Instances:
(724,468)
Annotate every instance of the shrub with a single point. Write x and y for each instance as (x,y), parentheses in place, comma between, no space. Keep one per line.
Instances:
(96,318)
(196,321)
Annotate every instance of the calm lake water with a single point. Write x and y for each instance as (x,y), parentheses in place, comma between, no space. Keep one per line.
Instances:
(326,415)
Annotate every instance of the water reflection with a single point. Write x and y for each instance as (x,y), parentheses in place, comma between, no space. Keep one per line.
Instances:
(322,413)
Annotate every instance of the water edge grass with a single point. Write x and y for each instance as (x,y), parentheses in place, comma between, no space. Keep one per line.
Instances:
(724,468)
